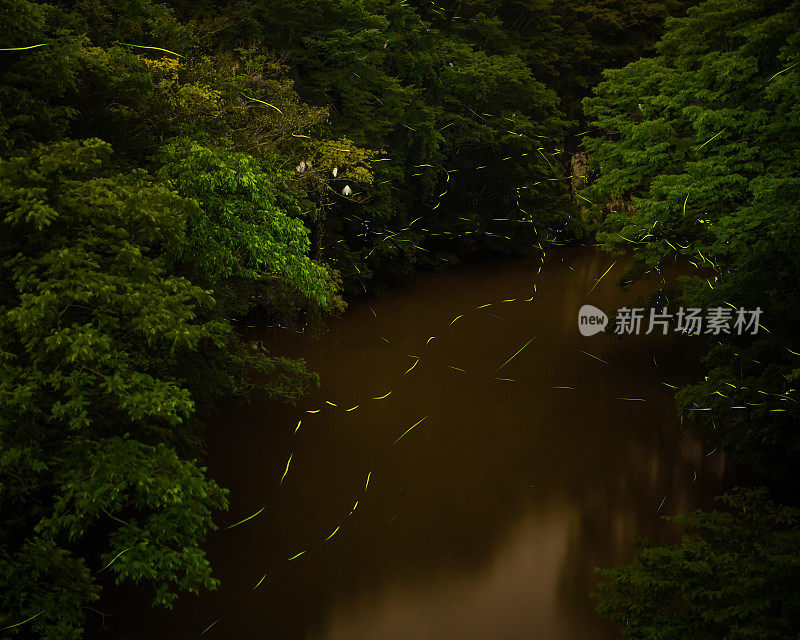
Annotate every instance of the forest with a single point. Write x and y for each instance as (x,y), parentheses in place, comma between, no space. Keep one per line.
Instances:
(172,172)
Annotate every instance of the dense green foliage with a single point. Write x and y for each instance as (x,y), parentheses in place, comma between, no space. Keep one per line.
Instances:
(704,152)
(734,575)
(106,356)
(241,228)
(169,168)
(696,158)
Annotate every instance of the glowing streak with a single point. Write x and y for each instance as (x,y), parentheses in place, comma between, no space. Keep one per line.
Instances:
(562,387)
(456,318)
(297,135)
(246,519)
(706,259)
(333,404)
(299,422)
(410,428)
(416,362)
(663,500)
(262,102)
(114,560)
(332,534)
(450,366)
(782,70)
(710,139)
(684,203)
(33,46)
(209,626)
(288,462)
(351,409)
(429,340)
(603,276)
(593,356)
(23,622)
(633,399)
(295,556)
(520,350)
(140,46)
(258,584)
(483,306)
(313,410)
(667,384)
(366,484)
(551,166)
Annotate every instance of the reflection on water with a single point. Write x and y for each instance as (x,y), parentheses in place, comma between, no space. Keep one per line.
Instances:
(487,519)
(513,592)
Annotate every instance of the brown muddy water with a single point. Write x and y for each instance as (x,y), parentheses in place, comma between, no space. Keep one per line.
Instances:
(486,520)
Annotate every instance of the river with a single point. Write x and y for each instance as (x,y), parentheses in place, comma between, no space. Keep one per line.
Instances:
(483,522)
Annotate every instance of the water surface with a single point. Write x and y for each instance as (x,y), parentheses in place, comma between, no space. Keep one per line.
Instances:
(486,520)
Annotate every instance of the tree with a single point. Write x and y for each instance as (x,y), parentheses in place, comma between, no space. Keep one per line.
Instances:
(735,574)
(696,159)
(466,129)
(246,226)
(100,348)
